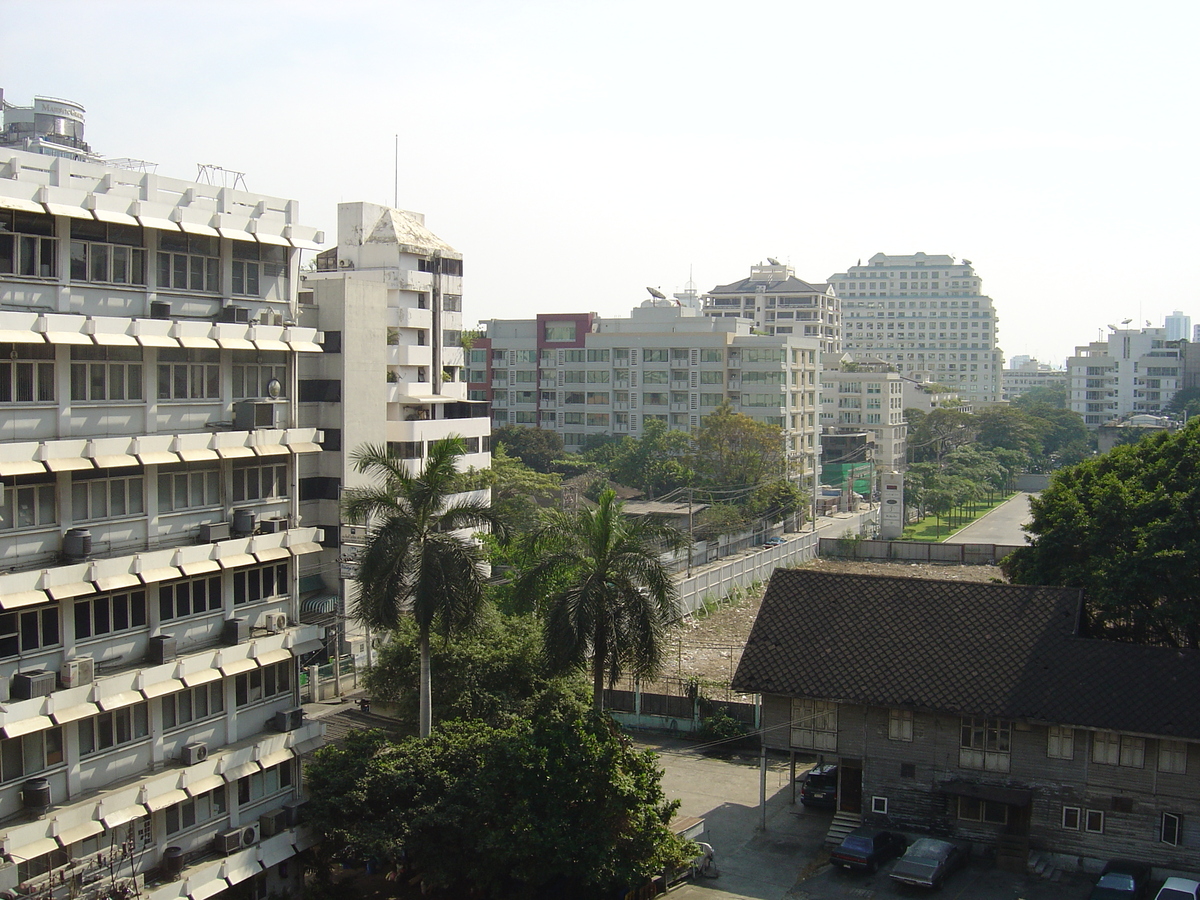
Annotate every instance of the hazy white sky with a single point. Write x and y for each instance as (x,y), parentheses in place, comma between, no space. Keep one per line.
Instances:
(577,152)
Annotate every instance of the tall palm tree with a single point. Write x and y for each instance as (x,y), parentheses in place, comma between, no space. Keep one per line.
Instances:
(413,561)
(610,596)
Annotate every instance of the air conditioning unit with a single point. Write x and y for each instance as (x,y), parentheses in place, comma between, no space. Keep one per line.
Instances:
(244,521)
(160,309)
(237,314)
(236,631)
(161,650)
(27,685)
(213,532)
(227,842)
(288,719)
(273,525)
(249,415)
(295,812)
(77,544)
(273,822)
(274,622)
(77,672)
(190,754)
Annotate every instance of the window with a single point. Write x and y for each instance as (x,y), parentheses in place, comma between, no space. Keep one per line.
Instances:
(573,418)
(28,869)
(112,729)
(260,482)
(26,372)
(106,373)
(1112,749)
(104,252)
(598,376)
(1060,742)
(597,356)
(27,631)
(598,398)
(260,583)
(189,374)
(196,810)
(265,783)
(900,725)
(597,419)
(1172,757)
(264,683)
(26,505)
(253,264)
(654,377)
(180,489)
(814,724)
(98,616)
(712,356)
(572,398)
(712,399)
(254,380)
(1093,821)
(137,833)
(558,331)
(654,398)
(654,356)
(27,244)
(973,809)
(1171,829)
(106,498)
(193,704)
(984,743)
(712,377)
(190,597)
(188,262)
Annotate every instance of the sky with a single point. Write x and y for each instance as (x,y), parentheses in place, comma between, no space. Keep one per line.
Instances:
(576,153)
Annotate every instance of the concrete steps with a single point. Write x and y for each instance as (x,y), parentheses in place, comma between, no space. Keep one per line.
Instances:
(843,823)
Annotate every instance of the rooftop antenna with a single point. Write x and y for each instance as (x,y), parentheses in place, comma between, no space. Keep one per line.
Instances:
(219,176)
(656,293)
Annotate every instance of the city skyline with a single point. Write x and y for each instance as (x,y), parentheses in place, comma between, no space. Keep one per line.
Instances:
(576,155)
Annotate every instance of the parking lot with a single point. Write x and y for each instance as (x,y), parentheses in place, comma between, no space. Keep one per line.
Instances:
(787,861)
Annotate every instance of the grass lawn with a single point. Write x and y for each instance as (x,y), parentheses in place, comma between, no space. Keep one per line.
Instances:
(931,529)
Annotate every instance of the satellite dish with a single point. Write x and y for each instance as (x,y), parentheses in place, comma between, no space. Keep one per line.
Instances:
(656,293)
(1126,321)
(773,261)
(1112,327)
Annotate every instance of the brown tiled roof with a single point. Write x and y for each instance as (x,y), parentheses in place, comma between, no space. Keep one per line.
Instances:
(962,647)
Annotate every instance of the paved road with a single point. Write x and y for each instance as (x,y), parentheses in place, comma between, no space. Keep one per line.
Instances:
(1001,526)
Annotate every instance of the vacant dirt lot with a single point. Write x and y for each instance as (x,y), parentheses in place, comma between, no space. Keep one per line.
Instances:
(708,648)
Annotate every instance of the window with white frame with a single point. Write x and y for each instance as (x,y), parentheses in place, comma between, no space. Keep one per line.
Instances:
(879,805)
(188,262)
(1111,748)
(137,833)
(114,729)
(1172,757)
(110,614)
(196,810)
(30,753)
(260,583)
(253,380)
(900,725)
(253,788)
(193,704)
(189,374)
(26,504)
(1060,742)
(985,743)
(254,264)
(263,684)
(1171,829)
(28,247)
(107,253)
(1093,821)
(189,597)
(106,374)
(26,372)
(111,497)
(1072,817)
(192,487)
(260,481)
(814,724)
(28,630)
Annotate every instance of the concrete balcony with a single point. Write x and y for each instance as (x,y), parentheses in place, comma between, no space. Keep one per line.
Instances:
(407,280)
(409,318)
(410,355)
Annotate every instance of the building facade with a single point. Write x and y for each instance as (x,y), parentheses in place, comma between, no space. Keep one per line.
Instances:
(150,536)
(778,302)
(49,126)
(1028,374)
(1129,372)
(581,375)
(1178,326)
(928,316)
(864,397)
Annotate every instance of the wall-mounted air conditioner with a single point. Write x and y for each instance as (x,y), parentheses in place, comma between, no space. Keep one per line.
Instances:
(272,525)
(27,685)
(160,309)
(213,532)
(244,521)
(76,672)
(288,719)
(249,415)
(233,313)
(236,839)
(273,822)
(236,631)
(190,754)
(274,622)
(161,650)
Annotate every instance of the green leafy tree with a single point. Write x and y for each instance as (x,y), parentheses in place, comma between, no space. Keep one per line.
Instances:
(519,492)
(731,448)
(939,432)
(654,463)
(1185,402)
(537,448)
(608,597)
(1125,527)
(717,520)
(561,805)
(414,560)
(1049,395)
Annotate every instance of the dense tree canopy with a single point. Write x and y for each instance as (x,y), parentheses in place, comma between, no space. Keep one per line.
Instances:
(561,806)
(730,448)
(1125,527)
(537,448)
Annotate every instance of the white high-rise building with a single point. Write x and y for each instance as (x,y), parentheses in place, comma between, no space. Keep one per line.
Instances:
(927,316)
(1178,326)
(49,126)
(1132,371)
(150,533)
(778,302)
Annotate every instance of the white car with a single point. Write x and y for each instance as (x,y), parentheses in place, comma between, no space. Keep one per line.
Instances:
(1179,889)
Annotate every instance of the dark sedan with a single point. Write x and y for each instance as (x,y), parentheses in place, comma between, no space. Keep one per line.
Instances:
(927,862)
(1122,879)
(867,849)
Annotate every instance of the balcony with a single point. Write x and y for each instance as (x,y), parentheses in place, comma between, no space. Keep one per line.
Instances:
(409,318)
(410,355)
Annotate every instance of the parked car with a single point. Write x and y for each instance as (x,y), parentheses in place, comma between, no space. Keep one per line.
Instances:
(820,787)
(1179,889)
(867,849)
(928,862)
(774,542)
(1122,879)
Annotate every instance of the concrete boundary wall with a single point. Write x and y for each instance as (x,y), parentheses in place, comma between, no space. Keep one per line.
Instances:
(917,551)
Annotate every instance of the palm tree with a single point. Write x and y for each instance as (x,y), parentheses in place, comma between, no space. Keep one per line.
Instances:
(610,596)
(413,561)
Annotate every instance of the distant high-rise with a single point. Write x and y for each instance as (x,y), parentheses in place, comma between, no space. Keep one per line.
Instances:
(778,302)
(49,126)
(927,316)
(1179,326)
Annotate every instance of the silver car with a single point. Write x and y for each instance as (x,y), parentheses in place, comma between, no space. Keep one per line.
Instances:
(927,862)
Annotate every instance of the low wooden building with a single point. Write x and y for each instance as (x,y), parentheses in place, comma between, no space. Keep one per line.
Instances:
(982,712)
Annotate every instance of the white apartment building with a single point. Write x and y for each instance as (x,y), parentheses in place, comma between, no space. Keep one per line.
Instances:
(865,397)
(1178,326)
(388,301)
(1132,371)
(1027,373)
(928,316)
(581,375)
(150,539)
(778,302)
